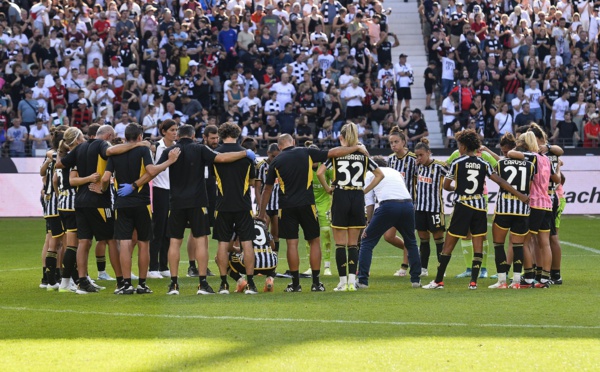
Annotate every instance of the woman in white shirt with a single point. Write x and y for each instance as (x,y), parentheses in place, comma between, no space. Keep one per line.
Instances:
(147,98)
(150,124)
(503,121)
(579,109)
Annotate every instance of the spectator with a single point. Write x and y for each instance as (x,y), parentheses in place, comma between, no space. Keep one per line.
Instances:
(591,131)
(566,132)
(39,135)
(16,136)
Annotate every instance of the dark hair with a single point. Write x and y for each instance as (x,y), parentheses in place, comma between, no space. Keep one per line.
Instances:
(539,132)
(469,139)
(229,130)
(166,125)
(186,130)
(423,144)
(396,131)
(57,136)
(133,131)
(93,129)
(380,161)
(310,145)
(272,148)
(210,129)
(508,140)
(249,143)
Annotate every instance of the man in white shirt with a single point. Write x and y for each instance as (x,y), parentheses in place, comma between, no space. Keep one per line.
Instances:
(449,109)
(285,90)
(250,100)
(559,108)
(395,210)
(403,72)
(534,95)
(517,102)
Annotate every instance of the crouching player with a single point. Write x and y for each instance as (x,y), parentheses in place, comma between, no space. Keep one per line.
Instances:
(264,255)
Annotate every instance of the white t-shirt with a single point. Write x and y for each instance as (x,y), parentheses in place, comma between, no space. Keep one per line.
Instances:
(120,130)
(448,104)
(448,67)
(285,92)
(559,108)
(392,187)
(534,96)
(518,102)
(357,92)
(579,108)
(505,123)
(404,81)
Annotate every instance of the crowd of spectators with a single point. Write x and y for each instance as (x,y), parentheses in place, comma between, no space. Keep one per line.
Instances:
(500,64)
(299,67)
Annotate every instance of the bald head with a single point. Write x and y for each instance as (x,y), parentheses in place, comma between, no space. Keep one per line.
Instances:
(285,140)
(105,133)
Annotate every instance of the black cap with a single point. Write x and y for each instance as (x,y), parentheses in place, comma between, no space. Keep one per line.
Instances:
(402,55)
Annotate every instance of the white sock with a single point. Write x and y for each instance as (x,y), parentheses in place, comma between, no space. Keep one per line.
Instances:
(501,277)
(343,279)
(351,278)
(327,264)
(64,283)
(517,278)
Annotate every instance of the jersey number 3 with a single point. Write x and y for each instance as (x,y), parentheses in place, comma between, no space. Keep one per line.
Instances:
(472,177)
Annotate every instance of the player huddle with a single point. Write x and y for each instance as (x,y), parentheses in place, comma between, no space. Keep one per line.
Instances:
(96,191)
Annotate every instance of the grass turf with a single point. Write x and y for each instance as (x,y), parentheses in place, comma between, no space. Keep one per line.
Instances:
(390,326)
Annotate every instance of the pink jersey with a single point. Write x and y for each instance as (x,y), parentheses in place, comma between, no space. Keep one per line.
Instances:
(560,191)
(538,197)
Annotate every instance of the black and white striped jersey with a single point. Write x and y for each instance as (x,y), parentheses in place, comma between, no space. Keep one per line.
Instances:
(264,257)
(469,173)
(349,171)
(48,187)
(51,206)
(407,166)
(429,185)
(519,174)
(554,163)
(262,170)
(66,196)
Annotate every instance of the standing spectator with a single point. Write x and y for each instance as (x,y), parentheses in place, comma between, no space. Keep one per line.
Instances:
(28,109)
(591,131)
(16,136)
(404,79)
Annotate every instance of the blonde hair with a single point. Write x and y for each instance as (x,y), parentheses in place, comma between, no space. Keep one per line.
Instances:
(529,141)
(350,133)
(69,139)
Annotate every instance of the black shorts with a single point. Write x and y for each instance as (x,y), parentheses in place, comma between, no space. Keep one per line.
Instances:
(96,223)
(290,219)
(404,93)
(539,220)
(69,220)
(465,219)
(54,226)
(236,265)
(226,223)
(518,225)
(194,218)
(554,214)
(272,213)
(428,88)
(133,218)
(429,221)
(348,209)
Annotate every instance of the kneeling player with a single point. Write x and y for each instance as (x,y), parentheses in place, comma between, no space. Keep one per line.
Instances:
(265,258)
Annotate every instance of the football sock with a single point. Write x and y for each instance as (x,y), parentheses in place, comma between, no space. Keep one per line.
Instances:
(315,276)
(444,260)
(65,282)
(326,242)
(486,250)
(351,279)
(69,262)
(555,274)
(538,273)
(174,279)
(340,259)
(120,281)
(467,250)
(517,259)
(425,252)
(529,274)
(51,267)
(439,245)
(250,279)
(295,278)
(101,263)
(545,276)
(44,273)
(223,279)
(404,266)
(277,246)
(476,266)
(127,281)
(192,263)
(500,257)
(202,278)
(352,259)
(142,282)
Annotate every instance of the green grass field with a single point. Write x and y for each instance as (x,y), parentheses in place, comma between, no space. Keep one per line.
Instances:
(389,326)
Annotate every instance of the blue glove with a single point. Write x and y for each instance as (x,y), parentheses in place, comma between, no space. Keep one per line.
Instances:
(125,189)
(251,155)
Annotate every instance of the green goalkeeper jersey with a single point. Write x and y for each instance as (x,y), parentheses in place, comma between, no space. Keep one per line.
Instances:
(484,155)
(321,196)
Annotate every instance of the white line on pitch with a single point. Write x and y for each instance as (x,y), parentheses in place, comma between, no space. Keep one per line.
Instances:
(300,320)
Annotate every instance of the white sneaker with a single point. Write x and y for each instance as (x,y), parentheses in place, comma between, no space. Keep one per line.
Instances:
(416,284)
(341,287)
(434,285)
(401,272)
(424,273)
(52,288)
(327,272)
(154,275)
(307,272)
(360,285)
(98,287)
(134,277)
(164,273)
(68,289)
(102,275)
(499,285)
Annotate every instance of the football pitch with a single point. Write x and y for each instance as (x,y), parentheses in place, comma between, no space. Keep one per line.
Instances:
(389,326)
